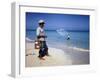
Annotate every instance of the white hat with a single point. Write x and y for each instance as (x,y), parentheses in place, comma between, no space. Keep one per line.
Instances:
(41,21)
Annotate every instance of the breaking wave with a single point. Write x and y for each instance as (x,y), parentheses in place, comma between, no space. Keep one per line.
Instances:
(79,49)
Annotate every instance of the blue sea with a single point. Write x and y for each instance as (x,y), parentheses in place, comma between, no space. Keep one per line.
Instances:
(78,39)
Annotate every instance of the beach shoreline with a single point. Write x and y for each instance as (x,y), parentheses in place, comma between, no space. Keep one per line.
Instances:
(79,56)
(58,57)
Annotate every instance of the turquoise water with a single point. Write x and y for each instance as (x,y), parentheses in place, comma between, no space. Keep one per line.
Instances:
(77,39)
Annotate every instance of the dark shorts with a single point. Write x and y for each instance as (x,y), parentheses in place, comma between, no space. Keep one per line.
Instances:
(43,44)
(43,49)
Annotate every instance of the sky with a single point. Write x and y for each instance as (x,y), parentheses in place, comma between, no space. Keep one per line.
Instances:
(58,21)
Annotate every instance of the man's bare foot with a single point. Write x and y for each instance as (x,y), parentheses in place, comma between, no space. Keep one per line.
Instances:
(42,58)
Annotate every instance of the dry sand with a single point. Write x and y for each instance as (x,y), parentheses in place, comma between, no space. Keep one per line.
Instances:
(57,57)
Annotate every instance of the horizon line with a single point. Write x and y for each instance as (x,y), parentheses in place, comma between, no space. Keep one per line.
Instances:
(56,29)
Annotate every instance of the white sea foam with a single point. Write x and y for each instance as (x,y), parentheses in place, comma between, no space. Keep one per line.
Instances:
(29,40)
(79,49)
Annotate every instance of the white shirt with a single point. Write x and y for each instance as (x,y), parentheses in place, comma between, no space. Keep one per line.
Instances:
(40,32)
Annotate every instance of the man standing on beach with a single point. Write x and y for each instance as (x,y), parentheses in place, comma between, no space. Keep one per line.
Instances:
(43,51)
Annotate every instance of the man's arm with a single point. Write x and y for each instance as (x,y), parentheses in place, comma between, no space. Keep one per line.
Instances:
(37,32)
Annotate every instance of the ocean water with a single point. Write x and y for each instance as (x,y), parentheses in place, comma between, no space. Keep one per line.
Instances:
(78,39)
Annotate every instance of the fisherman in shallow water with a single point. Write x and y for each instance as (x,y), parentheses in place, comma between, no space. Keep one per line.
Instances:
(68,37)
(43,50)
